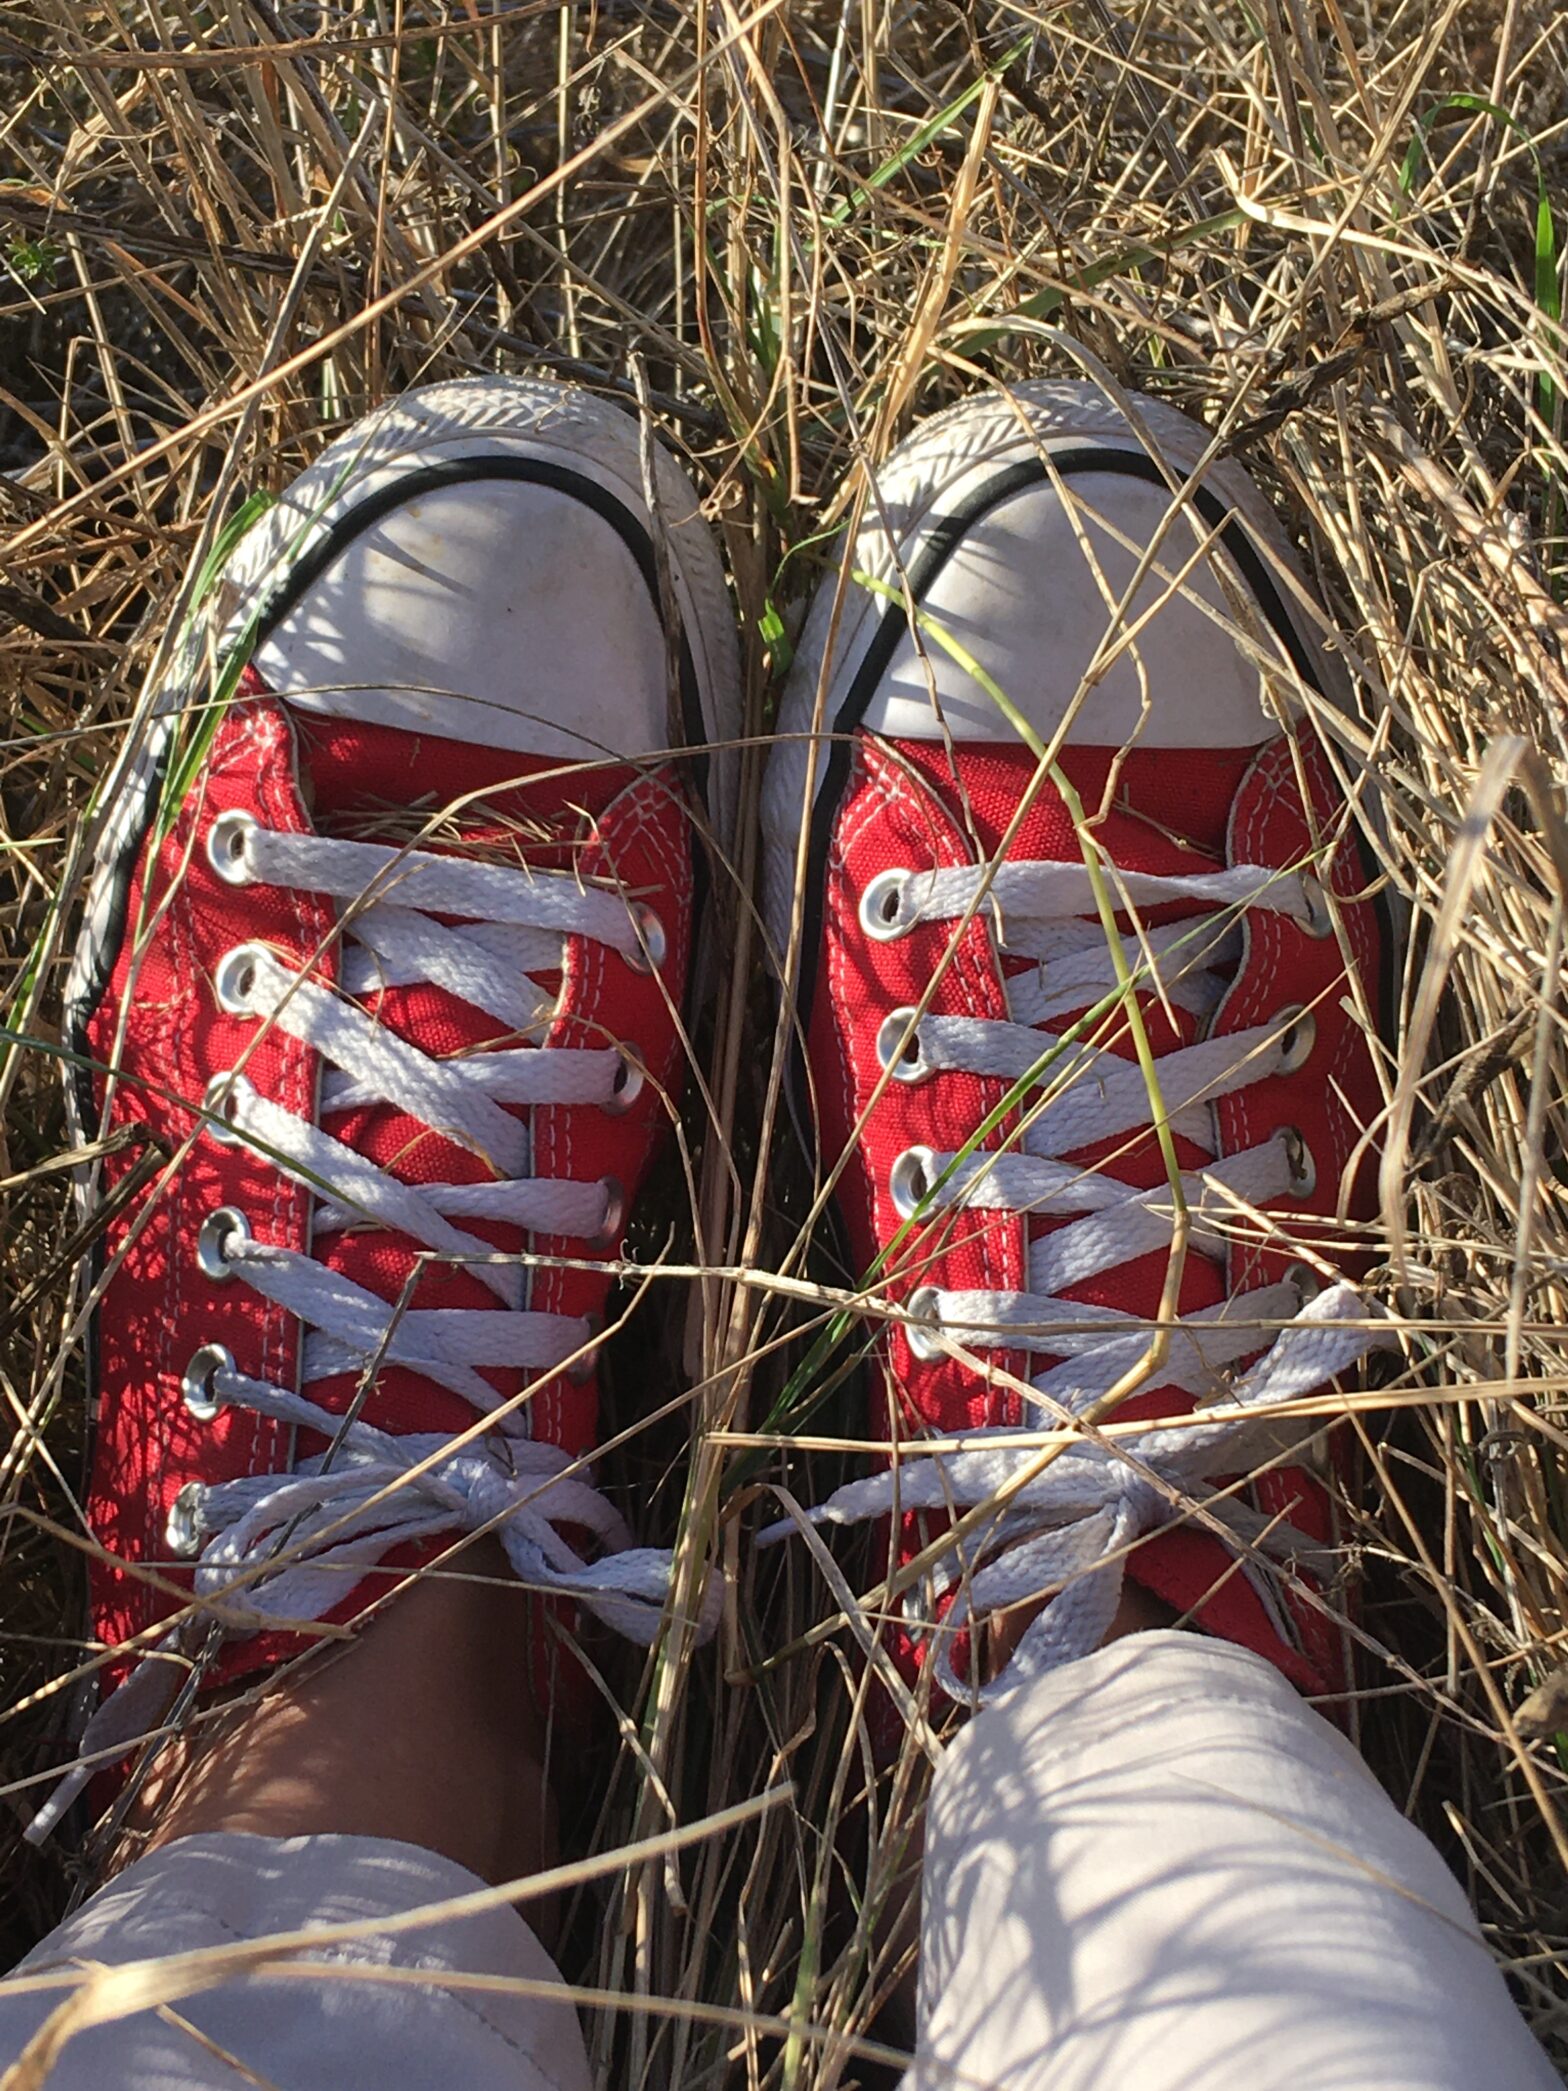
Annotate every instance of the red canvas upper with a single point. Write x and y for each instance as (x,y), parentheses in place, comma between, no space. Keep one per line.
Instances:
(921,805)
(160,1025)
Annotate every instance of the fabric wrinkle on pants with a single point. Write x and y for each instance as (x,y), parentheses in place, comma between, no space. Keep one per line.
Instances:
(313,2034)
(1156,1869)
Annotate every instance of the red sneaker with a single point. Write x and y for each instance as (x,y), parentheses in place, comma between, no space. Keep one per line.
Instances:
(386,948)
(975,1067)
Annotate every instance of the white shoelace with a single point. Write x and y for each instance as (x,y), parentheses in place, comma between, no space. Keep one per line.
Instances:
(1068,1530)
(335,1515)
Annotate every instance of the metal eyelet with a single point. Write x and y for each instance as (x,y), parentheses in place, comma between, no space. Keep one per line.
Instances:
(1303,1165)
(920,1606)
(197,1388)
(880,917)
(226,842)
(910,1065)
(1298,1035)
(584,1367)
(1320,919)
(217,1232)
(1306,1282)
(649,954)
(910,1180)
(235,978)
(614,1215)
(628,1086)
(220,1103)
(922,1307)
(182,1534)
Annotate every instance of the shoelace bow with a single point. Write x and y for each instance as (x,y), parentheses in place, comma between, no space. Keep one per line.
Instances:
(336,1514)
(1066,1532)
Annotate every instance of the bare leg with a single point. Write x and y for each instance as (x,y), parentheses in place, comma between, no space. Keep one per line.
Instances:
(423,1730)
(373,1782)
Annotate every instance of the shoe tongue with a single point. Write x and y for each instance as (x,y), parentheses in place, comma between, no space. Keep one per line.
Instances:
(354,772)
(1168,809)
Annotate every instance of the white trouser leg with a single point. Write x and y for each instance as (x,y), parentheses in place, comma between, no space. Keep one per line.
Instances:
(326,2032)
(1158,1870)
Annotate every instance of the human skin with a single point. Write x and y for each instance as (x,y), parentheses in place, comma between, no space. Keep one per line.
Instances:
(422,1729)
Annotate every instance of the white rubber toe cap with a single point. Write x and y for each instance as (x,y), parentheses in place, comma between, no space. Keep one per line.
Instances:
(489,611)
(481,561)
(1035,593)
(1020,518)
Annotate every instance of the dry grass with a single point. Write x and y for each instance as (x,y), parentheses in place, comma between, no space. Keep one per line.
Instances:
(789,230)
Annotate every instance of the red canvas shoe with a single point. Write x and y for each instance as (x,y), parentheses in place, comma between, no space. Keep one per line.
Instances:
(386,949)
(973,1061)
